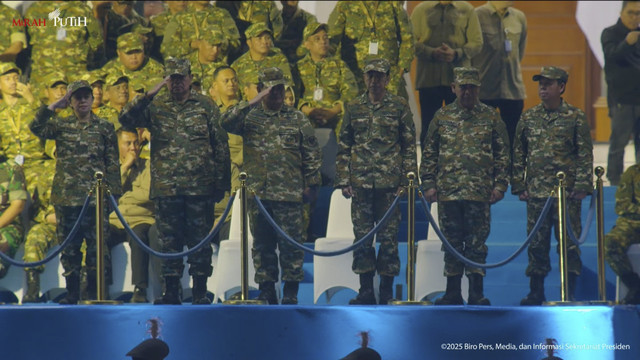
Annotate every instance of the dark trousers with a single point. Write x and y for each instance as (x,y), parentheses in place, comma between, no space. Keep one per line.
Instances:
(431,100)
(139,258)
(510,111)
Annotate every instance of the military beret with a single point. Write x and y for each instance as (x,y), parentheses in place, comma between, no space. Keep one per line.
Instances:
(173,66)
(313,28)
(466,76)
(150,349)
(114,78)
(77,85)
(130,42)
(5,67)
(553,73)
(271,76)
(257,29)
(55,77)
(377,64)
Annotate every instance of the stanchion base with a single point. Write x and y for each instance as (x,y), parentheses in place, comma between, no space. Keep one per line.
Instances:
(565,303)
(602,302)
(100,302)
(245,302)
(409,302)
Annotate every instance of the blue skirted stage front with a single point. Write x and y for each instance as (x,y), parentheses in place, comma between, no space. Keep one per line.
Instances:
(223,332)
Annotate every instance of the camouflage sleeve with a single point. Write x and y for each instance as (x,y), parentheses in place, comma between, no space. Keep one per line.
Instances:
(41,126)
(405,37)
(94,34)
(407,144)
(136,113)
(520,151)
(232,120)
(173,43)
(283,64)
(343,158)
(220,146)
(311,155)
(501,154)
(275,17)
(231,30)
(626,202)
(584,155)
(18,33)
(17,188)
(112,161)
(473,35)
(336,24)
(348,83)
(430,154)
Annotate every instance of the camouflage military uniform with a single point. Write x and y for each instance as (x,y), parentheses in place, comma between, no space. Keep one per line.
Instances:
(68,49)
(624,233)
(353,25)
(547,142)
(189,167)
(108,113)
(191,25)
(246,13)
(281,158)
(10,34)
(42,234)
(465,159)
(115,25)
(376,151)
(292,34)
(12,187)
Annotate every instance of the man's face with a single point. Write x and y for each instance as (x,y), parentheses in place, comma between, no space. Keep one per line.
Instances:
(376,81)
(226,83)
(179,85)
(467,94)
(98,93)
(9,83)
(132,60)
(119,93)
(260,44)
(630,15)
(318,44)
(550,89)
(81,101)
(275,98)
(128,143)
(208,51)
(56,92)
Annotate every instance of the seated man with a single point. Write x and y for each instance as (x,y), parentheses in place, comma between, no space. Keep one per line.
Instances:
(12,201)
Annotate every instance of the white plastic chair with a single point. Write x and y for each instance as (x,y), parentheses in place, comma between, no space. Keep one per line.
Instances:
(330,274)
(429,265)
(634,256)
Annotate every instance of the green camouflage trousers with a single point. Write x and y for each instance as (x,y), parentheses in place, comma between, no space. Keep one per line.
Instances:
(466,225)
(625,233)
(185,221)
(40,239)
(10,240)
(538,251)
(367,207)
(288,215)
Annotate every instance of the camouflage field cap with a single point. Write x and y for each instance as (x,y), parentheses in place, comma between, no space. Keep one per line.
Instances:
(377,64)
(54,78)
(93,77)
(150,349)
(313,28)
(271,76)
(130,42)
(466,76)
(77,85)
(173,66)
(115,78)
(5,67)
(553,73)
(257,29)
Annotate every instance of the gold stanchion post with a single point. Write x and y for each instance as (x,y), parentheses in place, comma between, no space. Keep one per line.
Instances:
(602,283)
(244,250)
(411,248)
(101,287)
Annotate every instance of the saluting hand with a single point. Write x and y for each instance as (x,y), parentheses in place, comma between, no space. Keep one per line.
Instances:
(156,89)
(61,103)
(260,95)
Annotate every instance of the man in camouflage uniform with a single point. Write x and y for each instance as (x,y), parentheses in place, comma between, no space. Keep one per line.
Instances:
(282,160)
(207,57)
(133,62)
(70,49)
(117,93)
(200,21)
(261,55)
(294,21)
(376,151)
(159,23)
(118,20)
(361,29)
(13,199)
(85,144)
(550,137)
(190,172)
(465,168)
(13,39)
(624,233)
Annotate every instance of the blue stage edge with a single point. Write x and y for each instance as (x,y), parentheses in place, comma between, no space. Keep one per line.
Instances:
(223,332)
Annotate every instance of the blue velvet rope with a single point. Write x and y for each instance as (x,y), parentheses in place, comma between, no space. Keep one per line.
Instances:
(355,245)
(587,225)
(468,262)
(177,255)
(64,244)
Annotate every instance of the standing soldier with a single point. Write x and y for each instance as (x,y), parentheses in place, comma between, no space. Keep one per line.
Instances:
(465,168)
(282,160)
(85,145)
(294,21)
(377,150)
(207,57)
(360,29)
(117,19)
(159,23)
(551,136)
(189,172)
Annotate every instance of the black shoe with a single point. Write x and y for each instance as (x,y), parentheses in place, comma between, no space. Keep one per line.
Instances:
(73,290)
(32,295)
(290,293)
(453,293)
(171,295)
(365,297)
(386,289)
(268,292)
(632,282)
(199,291)
(476,290)
(536,295)
(139,296)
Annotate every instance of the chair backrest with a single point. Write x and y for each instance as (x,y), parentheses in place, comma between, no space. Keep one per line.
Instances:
(339,224)
(234,230)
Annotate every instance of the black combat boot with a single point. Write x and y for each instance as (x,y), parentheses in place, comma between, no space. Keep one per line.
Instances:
(453,293)
(139,295)
(632,282)
(571,296)
(536,295)
(290,293)
(365,294)
(476,290)
(386,289)
(171,294)
(199,291)
(32,295)
(268,292)
(73,290)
